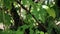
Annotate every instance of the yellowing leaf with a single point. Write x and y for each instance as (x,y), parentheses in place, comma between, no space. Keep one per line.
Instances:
(51,11)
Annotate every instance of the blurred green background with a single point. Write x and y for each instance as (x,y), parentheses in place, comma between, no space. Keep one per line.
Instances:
(29,17)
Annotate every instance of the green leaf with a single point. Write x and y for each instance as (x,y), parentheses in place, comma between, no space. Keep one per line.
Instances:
(24,27)
(46,33)
(7,19)
(29,19)
(1,16)
(42,15)
(50,11)
(31,31)
(41,32)
(34,11)
(1,3)
(7,4)
(19,32)
(24,2)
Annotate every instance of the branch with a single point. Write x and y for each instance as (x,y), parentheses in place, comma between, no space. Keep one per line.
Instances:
(28,11)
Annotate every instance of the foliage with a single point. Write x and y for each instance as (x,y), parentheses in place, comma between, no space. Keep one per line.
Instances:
(29,17)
